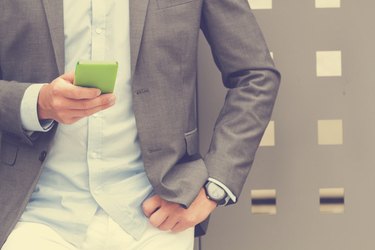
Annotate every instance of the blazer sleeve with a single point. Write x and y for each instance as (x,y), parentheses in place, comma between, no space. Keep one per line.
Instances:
(241,54)
(11,94)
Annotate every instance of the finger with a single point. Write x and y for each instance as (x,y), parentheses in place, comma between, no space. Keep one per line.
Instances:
(179,227)
(71,116)
(150,205)
(87,112)
(69,77)
(168,224)
(158,217)
(187,219)
(74,104)
(67,90)
(77,92)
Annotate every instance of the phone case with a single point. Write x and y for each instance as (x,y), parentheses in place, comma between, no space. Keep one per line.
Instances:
(96,74)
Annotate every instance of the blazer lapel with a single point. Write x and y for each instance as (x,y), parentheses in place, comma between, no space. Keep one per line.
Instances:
(55,17)
(138,10)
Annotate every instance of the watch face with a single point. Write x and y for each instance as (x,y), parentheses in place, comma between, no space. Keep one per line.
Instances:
(215,192)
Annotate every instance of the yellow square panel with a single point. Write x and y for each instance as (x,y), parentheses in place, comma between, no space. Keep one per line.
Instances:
(327,3)
(263,201)
(332,200)
(328,63)
(268,139)
(260,4)
(330,132)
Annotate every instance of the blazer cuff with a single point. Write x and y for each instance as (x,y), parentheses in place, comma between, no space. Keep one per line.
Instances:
(29,111)
(230,194)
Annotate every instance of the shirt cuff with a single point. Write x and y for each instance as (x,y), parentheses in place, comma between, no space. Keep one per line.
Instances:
(29,111)
(230,196)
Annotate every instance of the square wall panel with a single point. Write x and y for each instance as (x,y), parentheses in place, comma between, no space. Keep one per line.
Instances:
(263,201)
(327,3)
(260,4)
(330,132)
(328,63)
(332,200)
(268,139)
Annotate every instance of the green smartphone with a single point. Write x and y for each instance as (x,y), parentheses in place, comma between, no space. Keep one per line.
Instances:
(96,74)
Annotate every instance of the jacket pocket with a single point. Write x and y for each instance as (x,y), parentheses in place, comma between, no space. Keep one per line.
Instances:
(192,142)
(163,4)
(8,153)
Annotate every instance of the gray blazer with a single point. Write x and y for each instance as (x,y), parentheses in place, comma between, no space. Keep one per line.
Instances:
(164,36)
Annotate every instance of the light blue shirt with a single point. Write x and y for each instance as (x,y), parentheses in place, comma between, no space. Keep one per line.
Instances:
(95,162)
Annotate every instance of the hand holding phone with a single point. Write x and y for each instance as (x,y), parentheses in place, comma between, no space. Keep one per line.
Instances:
(65,103)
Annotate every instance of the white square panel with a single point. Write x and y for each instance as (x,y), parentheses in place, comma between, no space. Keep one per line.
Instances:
(330,132)
(271,54)
(327,3)
(269,135)
(260,4)
(328,63)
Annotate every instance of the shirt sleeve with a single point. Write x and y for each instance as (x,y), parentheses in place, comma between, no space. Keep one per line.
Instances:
(230,194)
(29,111)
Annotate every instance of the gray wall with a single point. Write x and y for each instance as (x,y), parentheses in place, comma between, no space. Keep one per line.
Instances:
(299,164)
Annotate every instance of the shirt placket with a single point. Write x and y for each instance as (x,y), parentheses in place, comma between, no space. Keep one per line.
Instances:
(95,121)
(98,29)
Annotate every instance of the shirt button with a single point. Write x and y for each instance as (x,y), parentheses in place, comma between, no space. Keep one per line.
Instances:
(99,30)
(94,155)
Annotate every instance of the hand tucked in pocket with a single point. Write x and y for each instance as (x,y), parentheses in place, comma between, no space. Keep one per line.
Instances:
(172,216)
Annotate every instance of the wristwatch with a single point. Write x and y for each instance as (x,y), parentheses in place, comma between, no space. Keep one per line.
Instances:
(215,193)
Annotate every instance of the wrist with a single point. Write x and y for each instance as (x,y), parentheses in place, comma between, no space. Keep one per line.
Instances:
(41,107)
(29,110)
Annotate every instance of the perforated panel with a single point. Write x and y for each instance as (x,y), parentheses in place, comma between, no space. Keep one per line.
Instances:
(322,134)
